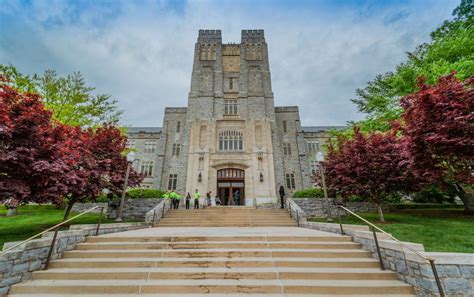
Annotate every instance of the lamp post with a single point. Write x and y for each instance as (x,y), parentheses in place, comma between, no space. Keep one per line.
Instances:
(320,159)
(130,159)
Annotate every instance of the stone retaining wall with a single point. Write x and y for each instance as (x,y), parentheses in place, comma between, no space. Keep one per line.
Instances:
(316,207)
(135,209)
(456,270)
(18,264)
(81,207)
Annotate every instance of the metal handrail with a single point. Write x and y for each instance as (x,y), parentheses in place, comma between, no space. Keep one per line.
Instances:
(290,207)
(374,227)
(56,228)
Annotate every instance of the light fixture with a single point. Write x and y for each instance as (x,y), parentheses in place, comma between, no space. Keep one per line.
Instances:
(261,177)
(320,157)
(131,157)
(199,177)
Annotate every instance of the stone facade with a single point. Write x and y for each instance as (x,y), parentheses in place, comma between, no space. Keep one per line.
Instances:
(230,101)
(135,209)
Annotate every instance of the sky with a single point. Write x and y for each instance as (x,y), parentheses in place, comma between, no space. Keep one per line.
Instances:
(141,51)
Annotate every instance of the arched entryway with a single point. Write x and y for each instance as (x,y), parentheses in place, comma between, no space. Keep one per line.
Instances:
(229,181)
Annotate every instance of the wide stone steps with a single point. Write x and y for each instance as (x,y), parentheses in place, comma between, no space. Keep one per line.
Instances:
(215,261)
(221,286)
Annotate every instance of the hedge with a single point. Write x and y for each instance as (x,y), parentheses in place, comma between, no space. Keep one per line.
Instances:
(309,193)
(144,193)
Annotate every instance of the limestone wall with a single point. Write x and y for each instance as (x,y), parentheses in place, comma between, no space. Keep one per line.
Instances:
(81,207)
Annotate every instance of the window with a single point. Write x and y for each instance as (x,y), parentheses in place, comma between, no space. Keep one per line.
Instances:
(178,127)
(150,146)
(290,181)
(230,107)
(176,149)
(285,127)
(313,146)
(287,149)
(130,143)
(314,166)
(147,168)
(172,181)
(231,141)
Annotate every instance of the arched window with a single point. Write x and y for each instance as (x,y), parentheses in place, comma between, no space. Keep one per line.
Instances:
(231,141)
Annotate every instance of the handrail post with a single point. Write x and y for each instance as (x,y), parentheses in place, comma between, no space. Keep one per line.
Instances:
(51,247)
(163,209)
(438,282)
(297,217)
(100,220)
(378,249)
(290,208)
(154,218)
(339,219)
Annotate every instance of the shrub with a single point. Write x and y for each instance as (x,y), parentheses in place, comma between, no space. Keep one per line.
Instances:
(309,193)
(144,193)
(434,194)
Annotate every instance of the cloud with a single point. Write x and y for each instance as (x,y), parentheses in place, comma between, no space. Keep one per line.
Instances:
(141,52)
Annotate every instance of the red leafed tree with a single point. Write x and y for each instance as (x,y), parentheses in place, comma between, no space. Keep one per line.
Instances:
(369,166)
(44,161)
(32,152)
(101,164)
(438,127)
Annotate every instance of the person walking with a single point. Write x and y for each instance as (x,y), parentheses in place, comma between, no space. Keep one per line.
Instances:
(208,199)
(236,197)
(188,199)
(166,196)
(197,195)
(218,200)
(282,196)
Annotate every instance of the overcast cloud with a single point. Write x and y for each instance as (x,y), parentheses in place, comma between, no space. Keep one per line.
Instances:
(141,52)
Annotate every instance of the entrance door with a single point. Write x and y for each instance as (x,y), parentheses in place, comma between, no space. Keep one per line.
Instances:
(231,181)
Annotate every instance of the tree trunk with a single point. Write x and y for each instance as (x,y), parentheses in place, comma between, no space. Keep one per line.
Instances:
(68,209)
(467,198)
(379,208)
(11,212)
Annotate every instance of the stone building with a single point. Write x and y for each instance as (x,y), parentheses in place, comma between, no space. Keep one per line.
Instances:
(231,136)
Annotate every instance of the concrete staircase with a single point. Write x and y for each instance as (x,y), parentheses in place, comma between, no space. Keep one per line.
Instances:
(227,217)
(228,261)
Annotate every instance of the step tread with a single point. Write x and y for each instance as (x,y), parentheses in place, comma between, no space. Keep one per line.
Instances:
(217,269)
(218,259)
(219,282)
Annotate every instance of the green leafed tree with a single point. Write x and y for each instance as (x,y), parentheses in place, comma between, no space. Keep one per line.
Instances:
(70,99)
(451,49)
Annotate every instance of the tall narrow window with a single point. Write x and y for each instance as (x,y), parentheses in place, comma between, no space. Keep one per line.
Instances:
(290,181)
(287,149)
(231,83)
(285,127)
(172,181)
(178,127)
(147,168)
(313,146)
(314,166)
(231,141)
(150,146)
(176,149)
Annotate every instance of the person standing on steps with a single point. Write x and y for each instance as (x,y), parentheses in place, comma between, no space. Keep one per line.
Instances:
(208,199)
(188,199)
(197,195)
(177,200)
(166,196)
(282,196)
(173,197)
(236,197)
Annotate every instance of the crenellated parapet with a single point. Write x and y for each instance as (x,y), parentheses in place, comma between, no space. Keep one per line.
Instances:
(212,36)
(253,36)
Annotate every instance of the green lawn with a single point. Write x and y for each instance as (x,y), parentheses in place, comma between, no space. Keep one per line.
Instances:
(32,219)
(439,230)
